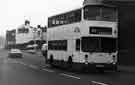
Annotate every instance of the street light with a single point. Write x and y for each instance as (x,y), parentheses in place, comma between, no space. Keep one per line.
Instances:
(34,37)
(43,30)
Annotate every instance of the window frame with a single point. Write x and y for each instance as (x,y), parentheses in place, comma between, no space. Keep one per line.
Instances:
(78,44)
(65,18)
(23,30)
(58,45)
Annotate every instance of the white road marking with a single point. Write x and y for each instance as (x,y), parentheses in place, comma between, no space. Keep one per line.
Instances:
(69,76)
(5,61)
(10,61)
(23,63)
(46,65)
(98,83)
(33,66)
(48,70)
(14,61)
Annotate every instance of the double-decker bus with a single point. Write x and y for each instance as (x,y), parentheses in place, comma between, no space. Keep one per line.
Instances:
(84,37)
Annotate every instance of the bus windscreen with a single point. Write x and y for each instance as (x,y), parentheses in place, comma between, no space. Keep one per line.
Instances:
(99,44)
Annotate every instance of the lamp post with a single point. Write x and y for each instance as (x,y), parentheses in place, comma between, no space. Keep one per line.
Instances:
(34,38)
(43,30)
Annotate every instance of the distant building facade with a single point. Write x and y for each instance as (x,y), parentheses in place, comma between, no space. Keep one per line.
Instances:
(10,39)
(28,35)
(24,34)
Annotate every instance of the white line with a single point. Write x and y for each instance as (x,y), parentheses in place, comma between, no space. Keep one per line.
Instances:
(33,66)
(14,61)
(23,63)
(48,70)
(8,59)
(70,76)
(18,62)
(99,83)
(45,65)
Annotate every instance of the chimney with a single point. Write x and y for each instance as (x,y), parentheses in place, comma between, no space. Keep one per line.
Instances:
(27,22)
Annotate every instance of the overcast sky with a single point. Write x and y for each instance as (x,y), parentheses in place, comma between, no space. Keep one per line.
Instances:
(14,12)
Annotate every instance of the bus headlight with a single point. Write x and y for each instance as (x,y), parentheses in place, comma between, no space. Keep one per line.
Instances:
(86,59)
(114,63)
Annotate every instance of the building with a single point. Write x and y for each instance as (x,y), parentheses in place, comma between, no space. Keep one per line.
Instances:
(24,34)
(126,30)
(10,39)
(28,35)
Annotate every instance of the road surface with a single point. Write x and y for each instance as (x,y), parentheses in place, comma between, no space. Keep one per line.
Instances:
(31,70)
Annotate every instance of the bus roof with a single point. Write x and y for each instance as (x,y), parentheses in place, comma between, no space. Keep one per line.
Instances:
(97,3)
(64,12)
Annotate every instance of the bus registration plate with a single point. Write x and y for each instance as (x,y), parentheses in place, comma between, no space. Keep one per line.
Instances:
(99,65)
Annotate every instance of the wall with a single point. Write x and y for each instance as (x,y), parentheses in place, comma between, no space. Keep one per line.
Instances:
(126,31)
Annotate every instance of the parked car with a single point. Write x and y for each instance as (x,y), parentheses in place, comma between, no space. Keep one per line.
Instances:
(15,53)
(33,51)
(31,48)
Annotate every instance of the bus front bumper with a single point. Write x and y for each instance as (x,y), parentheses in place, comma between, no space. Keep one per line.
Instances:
(97,66)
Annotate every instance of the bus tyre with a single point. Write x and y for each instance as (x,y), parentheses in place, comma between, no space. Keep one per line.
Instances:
(51,60)
(69,63)
(115,68)
(101,71)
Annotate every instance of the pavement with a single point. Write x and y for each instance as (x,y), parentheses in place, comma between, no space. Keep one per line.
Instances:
(125,68)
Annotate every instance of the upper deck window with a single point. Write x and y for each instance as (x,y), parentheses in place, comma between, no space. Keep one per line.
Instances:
(104,13)
(66,18)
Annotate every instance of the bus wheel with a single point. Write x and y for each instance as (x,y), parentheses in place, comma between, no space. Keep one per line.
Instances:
(101,71)
(51,60)
(62,64)
(115,68)
(69,63)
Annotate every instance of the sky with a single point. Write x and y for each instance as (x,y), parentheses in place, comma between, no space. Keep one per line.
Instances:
(14,12)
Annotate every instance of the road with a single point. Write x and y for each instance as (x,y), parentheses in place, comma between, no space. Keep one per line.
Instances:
(31,70)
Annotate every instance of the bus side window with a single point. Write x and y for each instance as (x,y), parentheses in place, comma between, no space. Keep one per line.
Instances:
(77,44)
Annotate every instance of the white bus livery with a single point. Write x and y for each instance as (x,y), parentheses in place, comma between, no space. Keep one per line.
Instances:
(84,37)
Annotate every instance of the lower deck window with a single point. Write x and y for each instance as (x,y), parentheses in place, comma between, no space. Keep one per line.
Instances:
(77,44)
(57,45)
(99,44)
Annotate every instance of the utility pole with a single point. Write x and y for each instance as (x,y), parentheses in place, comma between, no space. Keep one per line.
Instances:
(34,37)
(43,30)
